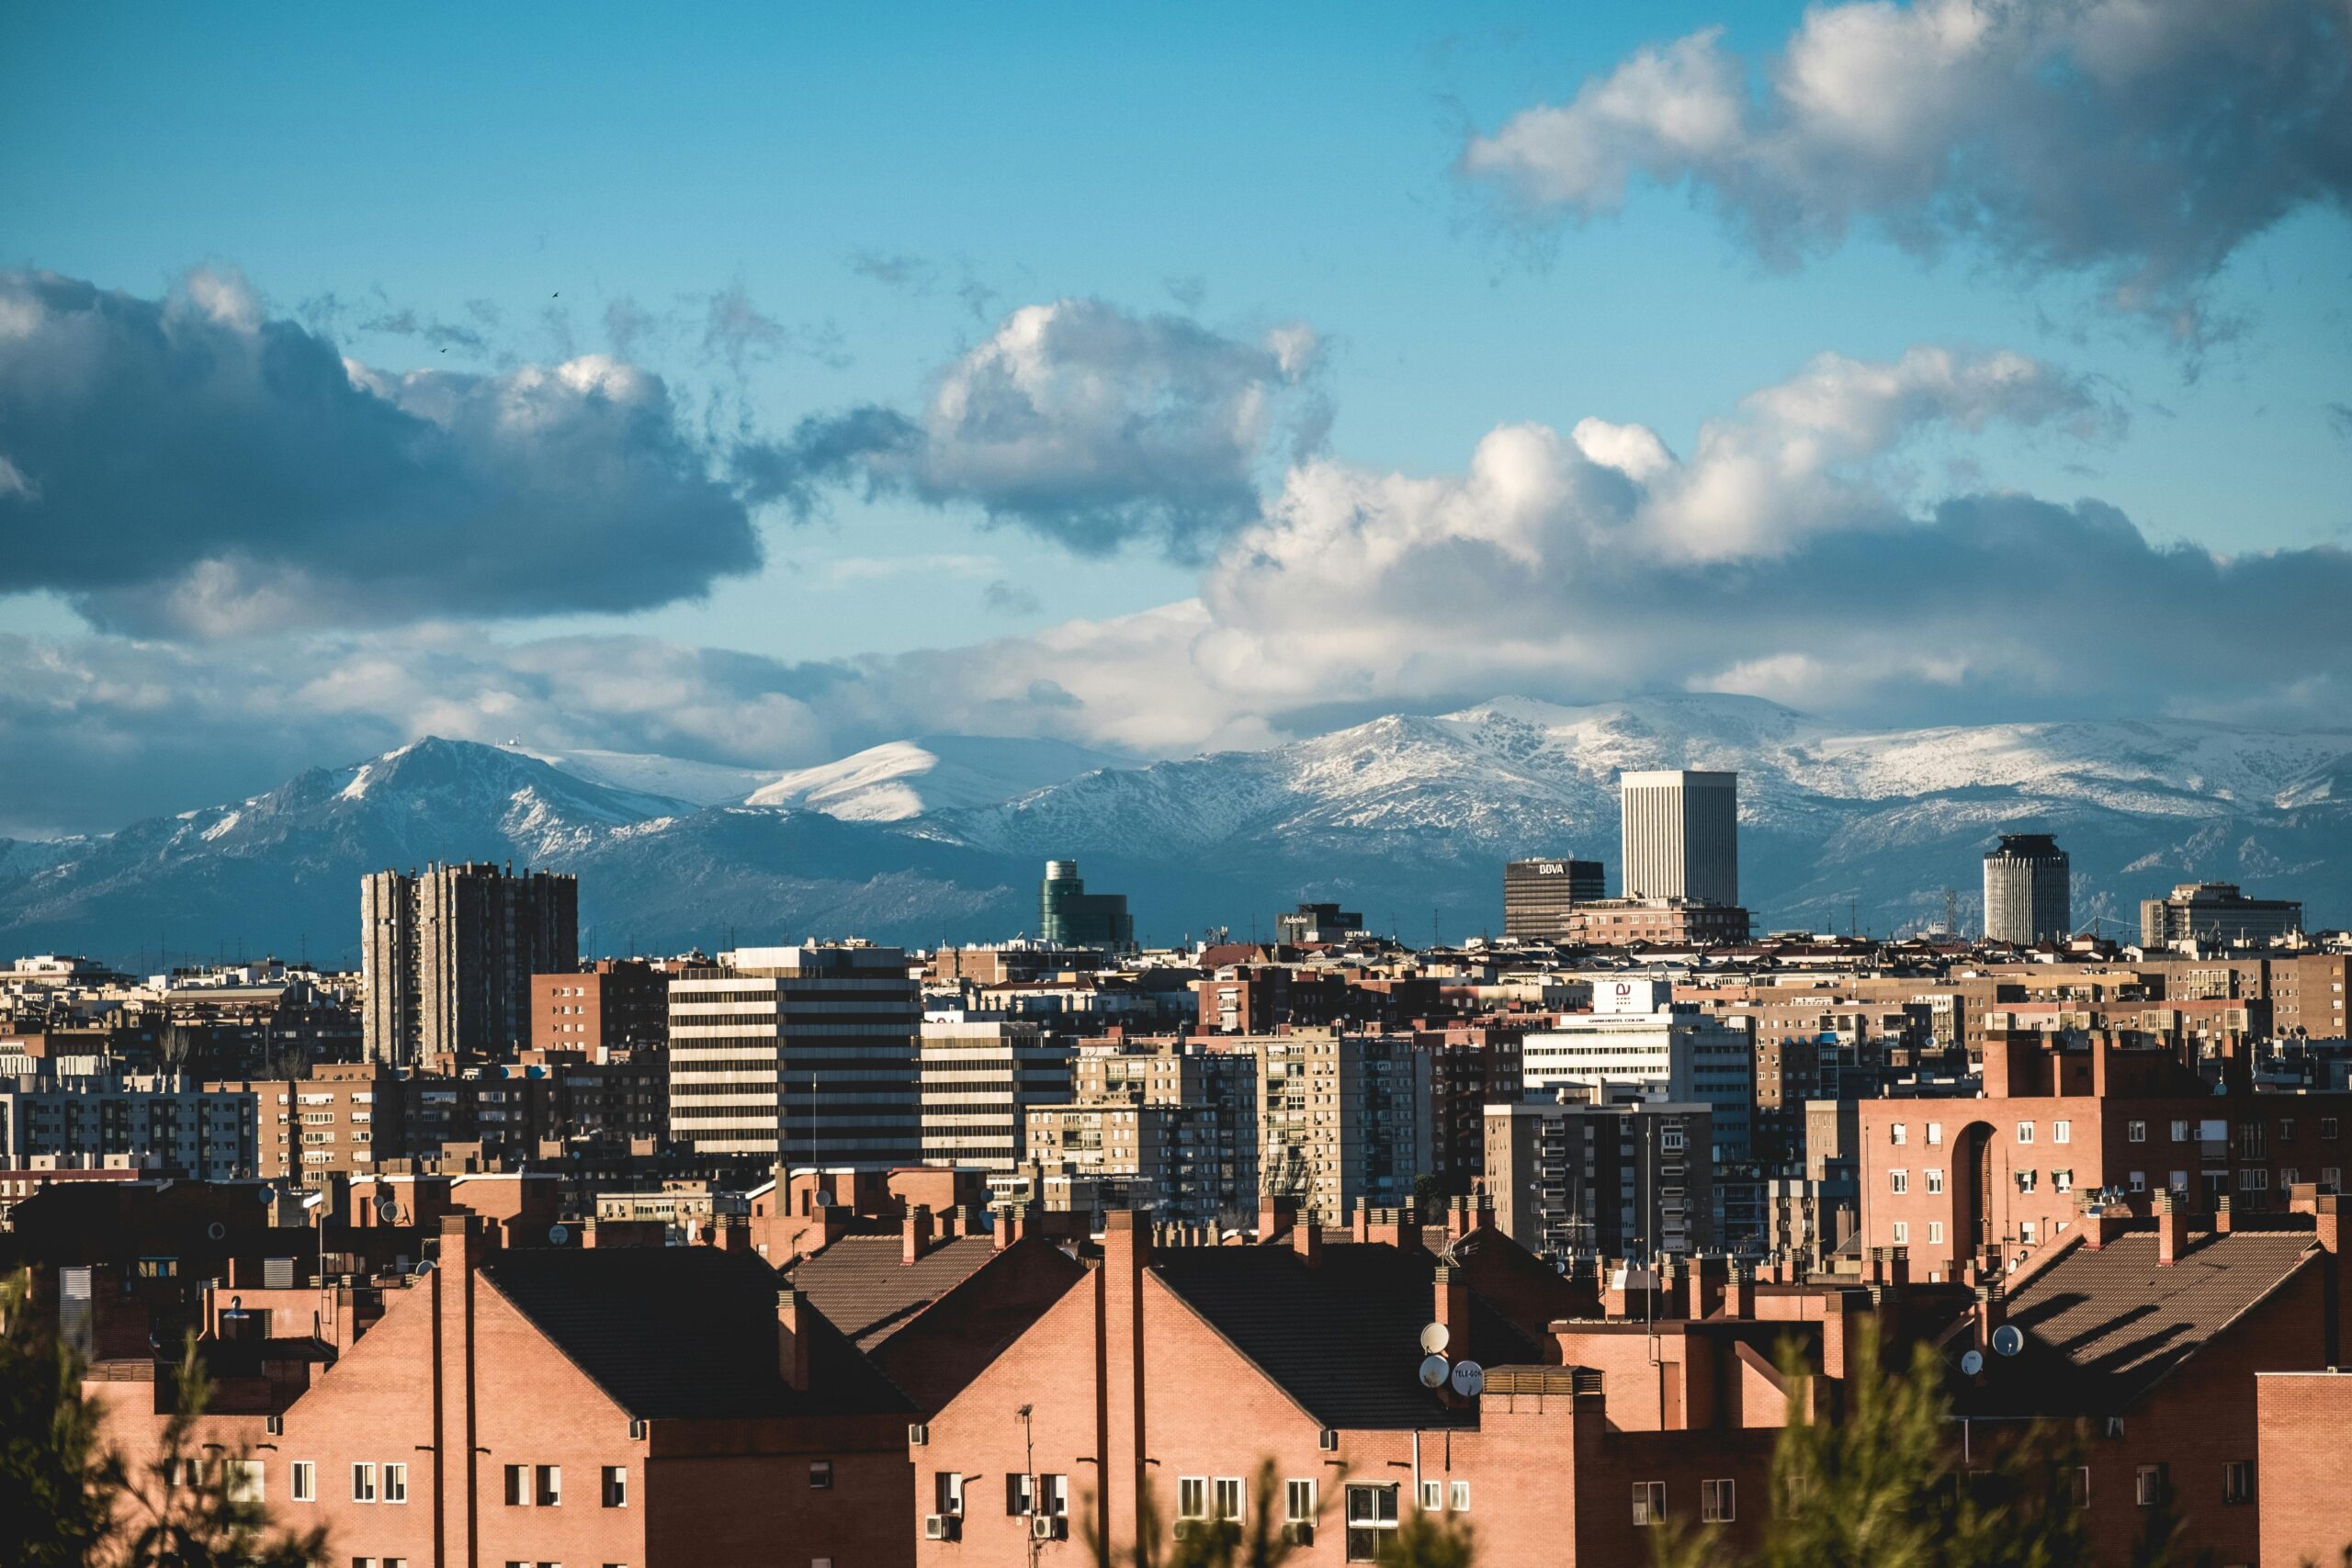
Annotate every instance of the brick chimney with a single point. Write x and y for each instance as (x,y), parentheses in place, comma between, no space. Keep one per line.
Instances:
(1740,1299)
(2172,1228)
(792,1333)
(734,1234)
(914,1235)
(1674,1292)
(2221,1215)
(1276,1215)
(2101,1222)
(1898,1267)
(1451,1289)
(1399,1228)
(1012,1223)
(1707,1287)
(1361,1220)
(1306,1237)
(1992,1311)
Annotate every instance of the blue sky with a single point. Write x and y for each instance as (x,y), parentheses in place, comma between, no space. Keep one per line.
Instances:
(881,190)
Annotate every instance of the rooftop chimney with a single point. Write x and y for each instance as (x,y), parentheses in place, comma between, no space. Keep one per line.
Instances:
(2172,1228)
(1306,1237)
(914,1237)
(792,1338)
(1452,1309)
(1740,1302)
(2221,1215)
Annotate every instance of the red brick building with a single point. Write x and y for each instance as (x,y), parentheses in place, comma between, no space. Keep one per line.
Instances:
(613,1002)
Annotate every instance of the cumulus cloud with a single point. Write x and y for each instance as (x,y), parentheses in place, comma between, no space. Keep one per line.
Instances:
(192,467)
(1079,421)
(2140,143)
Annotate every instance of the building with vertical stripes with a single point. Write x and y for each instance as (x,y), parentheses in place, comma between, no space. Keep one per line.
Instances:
(1680,836)
(802,1054)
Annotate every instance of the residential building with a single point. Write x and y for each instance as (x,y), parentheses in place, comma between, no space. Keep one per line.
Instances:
(801,1055)
(979,1081)
(2215,914)
(1343,1118)
(1313,923)
(1069,916)
(1654,922)
(162,1123)
(2026,899)
(615,1001)
(1638,1041)
(1538,894)
(1680,836)
(1576,1178)
(448,957)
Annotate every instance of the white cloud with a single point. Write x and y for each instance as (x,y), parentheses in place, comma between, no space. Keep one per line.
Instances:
(2137,141)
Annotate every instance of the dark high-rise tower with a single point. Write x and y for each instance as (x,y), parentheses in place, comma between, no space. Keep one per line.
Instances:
(448,956)
(1069,916)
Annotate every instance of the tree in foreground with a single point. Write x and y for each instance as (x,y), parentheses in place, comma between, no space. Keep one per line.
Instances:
(73,1500)
(1420,1541)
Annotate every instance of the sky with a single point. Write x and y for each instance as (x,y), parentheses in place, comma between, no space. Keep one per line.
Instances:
(754,384)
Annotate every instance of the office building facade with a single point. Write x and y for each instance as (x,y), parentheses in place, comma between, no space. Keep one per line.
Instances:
(979,1080)
(446,956)
(1069,916)
(798,1056)
(2215,914)
(2026,894)
(1540,894)
(1679,835)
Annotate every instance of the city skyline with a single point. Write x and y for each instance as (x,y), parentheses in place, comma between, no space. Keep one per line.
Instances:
(756,428)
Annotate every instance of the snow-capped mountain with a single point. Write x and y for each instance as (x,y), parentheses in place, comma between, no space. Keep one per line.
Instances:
(937,772)
(1407,817)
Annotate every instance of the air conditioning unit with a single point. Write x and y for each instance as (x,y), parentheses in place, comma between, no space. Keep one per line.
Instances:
(1049,1527)
(1327,1440)
(1186,1527)
(918,1434)
(1300,1532)
(940,1526)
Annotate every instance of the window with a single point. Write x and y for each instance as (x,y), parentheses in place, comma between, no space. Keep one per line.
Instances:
(518,1487)
(946,1493)
(2286,1129)
(1902,1233)
(2179,1131)
(1019,1494)
(820,1475)
(2025,1132)
(551,1488)
(2254,1181)
(1895,1133)
(363,1482)
(244,1477)
(1649,1503)
(1298,1502)
(2063,1180)
(1432,1496)
(306,1481)
(2135,1132)
(1192,1497)
(2149,1486)
(1460,1500)
(2062,1131)
(2026,1180)
(396,1483)
(616,1486)
(1053,1494)
(1935,1232)
(2331,1178)
(1935,1182)
(2328,1128)
(1935,1132)
(2080,1493)
(1372,1521)
(1717,1503)
(363,1562)
(2138,1182)
(2237,1481)
(1228,1498)
(1898,1183)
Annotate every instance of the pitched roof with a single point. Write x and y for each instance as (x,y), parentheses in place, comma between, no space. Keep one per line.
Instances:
(860,1283)
(2103,1327)
(1343,1338)
(684,1332)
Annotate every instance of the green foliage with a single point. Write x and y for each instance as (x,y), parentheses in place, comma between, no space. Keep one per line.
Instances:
(71,1499)
(1420,1541)
(58,1482)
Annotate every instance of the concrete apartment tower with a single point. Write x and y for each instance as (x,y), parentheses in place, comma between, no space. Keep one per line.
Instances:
(1680,836)
(447,954)
(2026,897)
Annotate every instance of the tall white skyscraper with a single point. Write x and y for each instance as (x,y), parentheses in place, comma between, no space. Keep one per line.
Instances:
(1680,835)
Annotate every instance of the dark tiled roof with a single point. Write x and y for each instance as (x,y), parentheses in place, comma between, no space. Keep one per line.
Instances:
(859,1283)
(1342,1338)
(2102,1327)
(684,1332)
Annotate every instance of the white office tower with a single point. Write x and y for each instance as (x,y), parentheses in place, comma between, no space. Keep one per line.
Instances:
(1637,1044)
(799,1055)
(1679,834)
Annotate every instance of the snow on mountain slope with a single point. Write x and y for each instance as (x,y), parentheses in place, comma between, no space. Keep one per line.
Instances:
(676,778)
(908,778)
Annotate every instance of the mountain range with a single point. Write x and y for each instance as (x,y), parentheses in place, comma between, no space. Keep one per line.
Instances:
(1407,817)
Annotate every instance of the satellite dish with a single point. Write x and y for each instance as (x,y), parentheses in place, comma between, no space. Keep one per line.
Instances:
(2009,1339)
(1433,1372)
(216,1230)
(267,1197)
(388,1208)
(1469,1378)
(558,1235)
(1971,1362)
(1435,1337)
